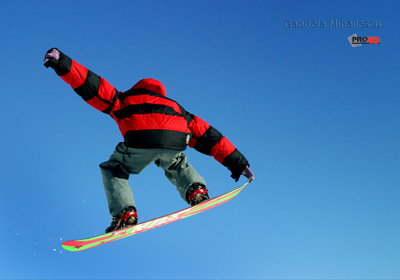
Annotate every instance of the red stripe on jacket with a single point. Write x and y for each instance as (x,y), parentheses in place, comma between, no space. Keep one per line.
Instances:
(76,76)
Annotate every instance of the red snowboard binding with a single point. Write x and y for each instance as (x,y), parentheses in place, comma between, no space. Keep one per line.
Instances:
(128,217)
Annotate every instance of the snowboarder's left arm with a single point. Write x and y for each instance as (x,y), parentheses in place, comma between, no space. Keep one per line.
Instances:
(208,140)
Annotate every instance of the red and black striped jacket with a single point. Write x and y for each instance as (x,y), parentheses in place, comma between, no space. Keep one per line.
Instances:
(146,117)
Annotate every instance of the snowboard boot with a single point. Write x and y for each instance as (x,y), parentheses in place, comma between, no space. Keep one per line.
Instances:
(128,217)
(196,193)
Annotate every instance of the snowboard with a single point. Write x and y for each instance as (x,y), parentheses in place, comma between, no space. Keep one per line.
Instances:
(84,244)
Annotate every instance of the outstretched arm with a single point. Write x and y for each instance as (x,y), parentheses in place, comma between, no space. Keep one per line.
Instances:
(208,140)
(95,90)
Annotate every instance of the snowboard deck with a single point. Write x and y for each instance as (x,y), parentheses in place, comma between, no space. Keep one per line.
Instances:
(84,244)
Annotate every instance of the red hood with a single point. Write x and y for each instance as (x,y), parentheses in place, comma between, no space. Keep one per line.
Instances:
(152,85)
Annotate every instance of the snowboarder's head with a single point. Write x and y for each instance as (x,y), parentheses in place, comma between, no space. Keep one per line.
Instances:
(152,85)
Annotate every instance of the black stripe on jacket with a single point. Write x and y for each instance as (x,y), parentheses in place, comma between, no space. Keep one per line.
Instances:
(208,140)
(155,138)
(145,108)
(89,87)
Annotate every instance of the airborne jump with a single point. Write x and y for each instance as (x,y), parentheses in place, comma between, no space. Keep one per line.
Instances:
(155,129)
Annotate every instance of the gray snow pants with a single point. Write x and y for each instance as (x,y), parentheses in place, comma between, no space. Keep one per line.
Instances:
(125,161)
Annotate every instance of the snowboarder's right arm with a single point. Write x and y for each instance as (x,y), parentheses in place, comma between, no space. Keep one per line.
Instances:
(95,90)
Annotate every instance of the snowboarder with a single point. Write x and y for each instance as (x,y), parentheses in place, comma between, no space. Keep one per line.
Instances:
(155,129)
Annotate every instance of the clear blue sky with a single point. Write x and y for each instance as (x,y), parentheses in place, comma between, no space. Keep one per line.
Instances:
(317,118)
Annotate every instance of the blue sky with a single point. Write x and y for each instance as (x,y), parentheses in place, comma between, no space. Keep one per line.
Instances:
(317,119)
